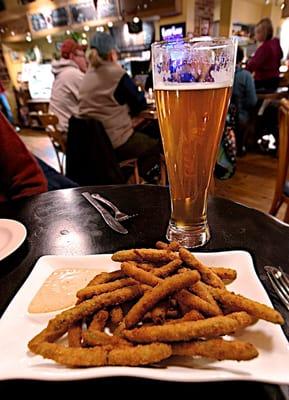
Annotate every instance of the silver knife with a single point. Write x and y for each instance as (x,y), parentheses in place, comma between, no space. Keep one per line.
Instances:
(108,218)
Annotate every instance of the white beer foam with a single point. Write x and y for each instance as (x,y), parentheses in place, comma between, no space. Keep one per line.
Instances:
(192,85)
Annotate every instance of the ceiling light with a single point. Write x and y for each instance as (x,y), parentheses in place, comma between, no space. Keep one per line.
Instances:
(86,28)
(135,20)
(110,24)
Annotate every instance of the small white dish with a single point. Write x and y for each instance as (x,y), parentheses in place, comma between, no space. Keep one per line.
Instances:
(17,362)
(12,235)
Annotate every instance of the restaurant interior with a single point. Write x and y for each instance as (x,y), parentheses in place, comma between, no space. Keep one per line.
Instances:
(31,34)
(248,193)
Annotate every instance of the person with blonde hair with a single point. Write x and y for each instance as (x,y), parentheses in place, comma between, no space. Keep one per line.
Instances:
(266,61)
(109,95)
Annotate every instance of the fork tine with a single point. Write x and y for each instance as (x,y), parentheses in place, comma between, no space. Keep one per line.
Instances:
(284,275)
(284,284)
(282,280)
(276,285)
(125,217)
(279,283)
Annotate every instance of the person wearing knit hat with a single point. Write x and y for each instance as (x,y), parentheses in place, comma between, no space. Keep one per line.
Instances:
(109,95)
(68,72)
(104,43)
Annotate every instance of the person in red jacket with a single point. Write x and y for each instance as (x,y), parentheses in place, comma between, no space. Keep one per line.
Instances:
(20,174)
(266,61)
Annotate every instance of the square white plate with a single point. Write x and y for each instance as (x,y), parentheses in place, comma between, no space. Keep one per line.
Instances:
(17,327)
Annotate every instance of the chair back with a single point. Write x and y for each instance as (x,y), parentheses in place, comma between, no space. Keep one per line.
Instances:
(90,157)
(283,156)
(50,122)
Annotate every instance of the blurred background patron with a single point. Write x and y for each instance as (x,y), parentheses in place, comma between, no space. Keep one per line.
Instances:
(110,96)
(68,72)
(244,99)
(20,174)
(266,61)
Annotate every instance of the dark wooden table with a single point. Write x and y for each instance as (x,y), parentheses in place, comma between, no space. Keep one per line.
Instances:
(51,216)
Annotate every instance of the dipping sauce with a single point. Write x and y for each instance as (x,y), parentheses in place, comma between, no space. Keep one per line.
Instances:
(59,290)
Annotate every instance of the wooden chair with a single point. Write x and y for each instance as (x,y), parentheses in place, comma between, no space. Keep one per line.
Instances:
(281,194)
(50,122)
(132,163)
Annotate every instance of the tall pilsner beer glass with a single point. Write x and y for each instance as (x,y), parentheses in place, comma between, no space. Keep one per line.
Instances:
(192,82)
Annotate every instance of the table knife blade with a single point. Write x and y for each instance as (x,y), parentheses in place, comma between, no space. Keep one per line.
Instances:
(108,218)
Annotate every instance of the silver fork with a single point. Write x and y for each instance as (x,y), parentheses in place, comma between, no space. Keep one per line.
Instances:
(280,283)
(118,215)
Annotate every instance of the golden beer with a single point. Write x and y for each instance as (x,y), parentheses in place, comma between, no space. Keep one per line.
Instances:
(192,82)
(191,123)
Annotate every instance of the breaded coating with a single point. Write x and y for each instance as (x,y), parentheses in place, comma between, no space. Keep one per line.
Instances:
(98,321)
(161,245)
(73,357)
(159,312)
(258,310)
(243,318)
(189,301)
(201,290)
(116,315)
(98,338)
(105,277)
(165,288)
(95,290)
(45,335)
(62,321)
(227,275)
(173,246)
(217,349)
(192,315)
(139,355)
(74,335)
(209,328)
(141,255)
(208,276)
(139,274)
(119,329)
(184,269)
(173,313)
(105,355)
(145,266)
(167,269)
